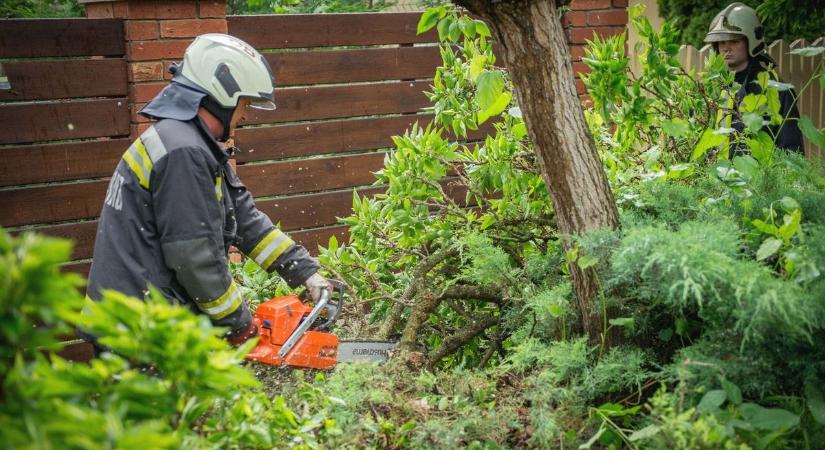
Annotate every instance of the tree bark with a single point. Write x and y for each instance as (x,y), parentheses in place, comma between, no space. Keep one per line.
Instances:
(538,61)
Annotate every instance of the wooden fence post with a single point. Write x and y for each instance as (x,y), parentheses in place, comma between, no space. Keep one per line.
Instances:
(157,33)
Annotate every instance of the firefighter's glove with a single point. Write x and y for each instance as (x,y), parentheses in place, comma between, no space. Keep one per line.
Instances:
(241,335)
(314,284)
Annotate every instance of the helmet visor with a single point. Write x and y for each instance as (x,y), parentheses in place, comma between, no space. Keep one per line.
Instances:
(723,36)
(261,104)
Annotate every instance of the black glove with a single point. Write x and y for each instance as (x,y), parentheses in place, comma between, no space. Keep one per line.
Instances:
(241,335)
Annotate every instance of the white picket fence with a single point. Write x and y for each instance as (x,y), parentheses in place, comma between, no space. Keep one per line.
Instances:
(793,69)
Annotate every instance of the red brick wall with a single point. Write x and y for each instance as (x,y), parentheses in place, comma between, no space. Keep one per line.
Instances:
(586,17)
(157,33)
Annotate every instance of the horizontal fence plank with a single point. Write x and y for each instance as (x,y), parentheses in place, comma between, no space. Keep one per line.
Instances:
(77,352)
(336,136)
(311,175)
(78,201)
(346,66)
(297,212)
(60,162)
(332,102)
(30,38)
(44,204)
(286,141)
(328,30)
(38,80)
(293,213)
(33,122)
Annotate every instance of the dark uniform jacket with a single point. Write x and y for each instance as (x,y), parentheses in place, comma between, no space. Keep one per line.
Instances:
(789,137)
(172,209)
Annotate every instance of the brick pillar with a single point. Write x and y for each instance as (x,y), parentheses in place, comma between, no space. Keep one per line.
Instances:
(585,17)
(157,33)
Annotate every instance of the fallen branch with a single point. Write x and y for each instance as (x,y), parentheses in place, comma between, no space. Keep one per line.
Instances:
(423,268)
(460,338)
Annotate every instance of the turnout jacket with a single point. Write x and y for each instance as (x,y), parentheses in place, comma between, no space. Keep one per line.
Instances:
(173,207)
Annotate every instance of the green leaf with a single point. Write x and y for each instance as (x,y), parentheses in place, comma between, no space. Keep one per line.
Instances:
(477,66)
(811,132)
(624,322)
(429,18)
(780,86)
(676,127)
(732,391)
(747,165)
(712,400)
(680,171)
(645,433)
(488,221)
(587,261)
(753,121)
(555,310)
(709,140)
(768,248)
(790,225)
(496,108)
(762,147)
(789,204)
(489,85)
(481,29)
(444,28)
(455,32)
(519,130)
(769,419)
(816,402)
(332,245)
(808,51)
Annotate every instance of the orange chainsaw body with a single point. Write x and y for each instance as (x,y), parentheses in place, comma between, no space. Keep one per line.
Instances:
(276,319)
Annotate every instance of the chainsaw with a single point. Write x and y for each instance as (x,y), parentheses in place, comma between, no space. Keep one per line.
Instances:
(294,334)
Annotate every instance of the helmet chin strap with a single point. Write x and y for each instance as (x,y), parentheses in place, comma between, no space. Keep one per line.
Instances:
(224,116)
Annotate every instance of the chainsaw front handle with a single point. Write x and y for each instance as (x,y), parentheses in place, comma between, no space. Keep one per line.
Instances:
(305,324)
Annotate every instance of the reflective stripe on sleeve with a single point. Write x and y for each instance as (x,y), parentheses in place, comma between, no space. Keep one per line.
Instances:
(138,160)
(270,248)
(143,154)
(154,146)
(224,305)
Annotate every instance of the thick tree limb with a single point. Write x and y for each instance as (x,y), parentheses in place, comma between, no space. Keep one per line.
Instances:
(460,338)
(465,291)
(424,267)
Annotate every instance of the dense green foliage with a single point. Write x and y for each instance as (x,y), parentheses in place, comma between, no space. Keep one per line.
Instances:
(40,8)
(136,396)
(782,19)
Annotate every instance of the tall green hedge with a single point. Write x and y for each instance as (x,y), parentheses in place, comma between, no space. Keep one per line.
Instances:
(782,19)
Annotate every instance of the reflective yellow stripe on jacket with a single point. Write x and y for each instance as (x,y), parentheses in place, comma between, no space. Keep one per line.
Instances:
(270,248)
(143,154)
(224,305)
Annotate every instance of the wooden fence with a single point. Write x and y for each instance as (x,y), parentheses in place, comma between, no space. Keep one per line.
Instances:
(793,69)
(342,93)
(64,123)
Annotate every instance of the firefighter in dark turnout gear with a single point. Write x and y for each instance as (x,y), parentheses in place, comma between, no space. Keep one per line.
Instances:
(174,204)
(737,34)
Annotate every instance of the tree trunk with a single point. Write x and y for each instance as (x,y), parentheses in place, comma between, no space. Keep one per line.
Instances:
(538,60)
